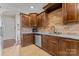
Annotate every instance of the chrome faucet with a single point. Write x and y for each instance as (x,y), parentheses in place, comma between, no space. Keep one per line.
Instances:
(54,29)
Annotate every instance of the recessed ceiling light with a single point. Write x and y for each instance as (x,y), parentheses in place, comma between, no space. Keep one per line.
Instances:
(32,7)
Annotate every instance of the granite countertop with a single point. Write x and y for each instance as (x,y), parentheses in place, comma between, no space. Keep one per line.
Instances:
(27,32)
(53,34)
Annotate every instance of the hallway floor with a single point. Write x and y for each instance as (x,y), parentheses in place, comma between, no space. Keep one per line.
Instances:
(30,50)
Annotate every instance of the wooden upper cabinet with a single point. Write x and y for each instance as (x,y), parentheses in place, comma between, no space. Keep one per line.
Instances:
(39,19)
(33,19)
(42,19)
(78,11)
(70,12)
(25,20)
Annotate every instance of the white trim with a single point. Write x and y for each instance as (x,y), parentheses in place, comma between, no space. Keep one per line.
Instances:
(18,37)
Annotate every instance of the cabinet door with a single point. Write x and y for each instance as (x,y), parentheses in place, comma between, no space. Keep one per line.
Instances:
(53,45)
(39,18)
(70,47)
(27,39)
(25,20)
(78,48)
(77,11)
(61,47)
(45,42)
(44,18)
(67,47)
(33,19)
(70,12)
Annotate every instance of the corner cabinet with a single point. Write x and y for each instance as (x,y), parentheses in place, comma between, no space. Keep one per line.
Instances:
(29,20)
(39,18)
(59,46)
(27,39)
(25,20)
(70,12)
(33,19)
(42,19)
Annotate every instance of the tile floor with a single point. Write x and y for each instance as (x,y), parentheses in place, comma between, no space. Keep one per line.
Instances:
(30,50)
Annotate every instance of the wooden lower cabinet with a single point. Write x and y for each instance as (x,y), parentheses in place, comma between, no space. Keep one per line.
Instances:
(44,42)
(60,46)
(67,47)
(27,39)
(78,48)
(71,47)
(49,44)
(53,45)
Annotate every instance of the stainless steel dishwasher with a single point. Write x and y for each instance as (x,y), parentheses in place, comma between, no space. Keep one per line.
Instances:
(38,40)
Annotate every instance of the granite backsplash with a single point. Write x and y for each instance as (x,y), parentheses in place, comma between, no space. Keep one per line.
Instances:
(55,22)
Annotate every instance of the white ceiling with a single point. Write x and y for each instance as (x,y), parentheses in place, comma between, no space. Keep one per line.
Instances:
(14,8)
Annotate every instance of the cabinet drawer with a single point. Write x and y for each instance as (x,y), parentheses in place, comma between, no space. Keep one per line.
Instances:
(53,39)
(27,39)
(52,50)
(51,42)
(45,47)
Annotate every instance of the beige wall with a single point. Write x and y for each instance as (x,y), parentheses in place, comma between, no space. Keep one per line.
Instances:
(8,27)
(55,19)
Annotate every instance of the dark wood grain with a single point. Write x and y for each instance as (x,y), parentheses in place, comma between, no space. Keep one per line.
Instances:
(27,39)
(25,20)
(59,46)
(33,19)
(70,12)
(8,43)
(52,6)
